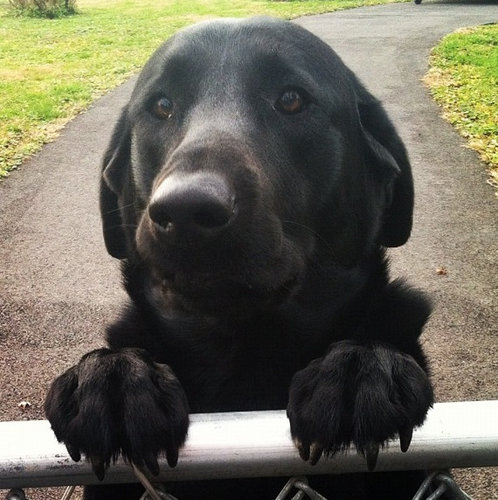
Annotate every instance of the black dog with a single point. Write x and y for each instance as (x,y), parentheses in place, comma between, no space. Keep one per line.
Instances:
(250,188)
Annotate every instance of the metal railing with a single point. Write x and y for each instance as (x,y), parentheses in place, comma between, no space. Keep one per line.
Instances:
(256,444)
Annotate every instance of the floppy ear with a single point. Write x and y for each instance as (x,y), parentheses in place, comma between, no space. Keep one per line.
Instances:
(115,172)
(386,153)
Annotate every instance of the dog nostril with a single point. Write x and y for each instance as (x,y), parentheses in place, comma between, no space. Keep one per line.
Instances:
(212,215)
(160,216)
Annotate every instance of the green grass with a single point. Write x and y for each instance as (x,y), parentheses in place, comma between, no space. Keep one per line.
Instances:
(52,69)
(464,80)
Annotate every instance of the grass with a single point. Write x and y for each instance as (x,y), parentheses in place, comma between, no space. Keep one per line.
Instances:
(464,80)
(52,69)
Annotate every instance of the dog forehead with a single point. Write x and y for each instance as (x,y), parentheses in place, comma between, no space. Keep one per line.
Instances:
(263,33)
(239,42)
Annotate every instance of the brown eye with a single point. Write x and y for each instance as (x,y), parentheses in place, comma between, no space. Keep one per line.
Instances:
(163,108)
(290,102)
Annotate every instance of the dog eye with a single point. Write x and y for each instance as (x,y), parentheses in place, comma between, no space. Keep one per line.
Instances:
(290,102)
(163,108)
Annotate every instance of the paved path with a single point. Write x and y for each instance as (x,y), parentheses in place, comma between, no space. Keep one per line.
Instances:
(57,283)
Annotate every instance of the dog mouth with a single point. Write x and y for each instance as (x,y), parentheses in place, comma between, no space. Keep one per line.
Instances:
(214,294)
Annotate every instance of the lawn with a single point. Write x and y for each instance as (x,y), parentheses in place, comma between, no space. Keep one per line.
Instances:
(464,80)
(50,70)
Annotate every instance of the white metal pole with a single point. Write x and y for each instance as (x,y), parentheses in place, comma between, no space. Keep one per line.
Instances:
(227,445)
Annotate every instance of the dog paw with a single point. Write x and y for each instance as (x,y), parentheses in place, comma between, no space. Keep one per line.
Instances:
(361,395)
(119,402)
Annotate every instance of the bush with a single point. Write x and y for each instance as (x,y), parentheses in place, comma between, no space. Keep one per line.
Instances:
(44,8)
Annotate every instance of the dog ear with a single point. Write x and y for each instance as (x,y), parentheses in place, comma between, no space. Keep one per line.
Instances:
(386,154)
(115,172)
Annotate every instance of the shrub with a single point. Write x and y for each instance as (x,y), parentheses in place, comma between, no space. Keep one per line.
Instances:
(44,8)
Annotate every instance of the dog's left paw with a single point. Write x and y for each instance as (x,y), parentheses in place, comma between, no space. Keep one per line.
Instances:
(358,394)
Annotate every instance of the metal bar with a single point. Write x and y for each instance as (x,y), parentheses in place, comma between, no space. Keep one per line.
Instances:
(228,445)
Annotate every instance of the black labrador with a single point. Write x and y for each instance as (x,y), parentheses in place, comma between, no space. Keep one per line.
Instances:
(250,188)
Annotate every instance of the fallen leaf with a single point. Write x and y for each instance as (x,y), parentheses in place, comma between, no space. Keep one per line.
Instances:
(441,271)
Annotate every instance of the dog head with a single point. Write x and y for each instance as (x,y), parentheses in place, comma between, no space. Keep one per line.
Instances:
(248,150)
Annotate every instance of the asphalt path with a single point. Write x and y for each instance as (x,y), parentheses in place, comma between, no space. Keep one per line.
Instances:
(58,286)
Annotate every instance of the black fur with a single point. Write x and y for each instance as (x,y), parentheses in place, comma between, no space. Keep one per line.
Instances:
(250,187)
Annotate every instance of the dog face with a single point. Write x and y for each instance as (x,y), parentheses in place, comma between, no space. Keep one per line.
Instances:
(247,152)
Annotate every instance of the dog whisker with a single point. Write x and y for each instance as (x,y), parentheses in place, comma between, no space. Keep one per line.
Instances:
(118,209)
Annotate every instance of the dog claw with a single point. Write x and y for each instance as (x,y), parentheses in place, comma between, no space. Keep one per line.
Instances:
(98,467)
(405,438)
(152,465)
(316,453)
(303,449)
(371,454)
(73,451)
(171,457)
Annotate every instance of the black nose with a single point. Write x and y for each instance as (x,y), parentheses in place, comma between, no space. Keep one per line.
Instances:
(198,202)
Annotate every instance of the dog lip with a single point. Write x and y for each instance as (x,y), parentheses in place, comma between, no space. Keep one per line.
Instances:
(204,285)
(290,284)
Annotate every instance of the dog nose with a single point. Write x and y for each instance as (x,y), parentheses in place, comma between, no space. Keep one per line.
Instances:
(198,202)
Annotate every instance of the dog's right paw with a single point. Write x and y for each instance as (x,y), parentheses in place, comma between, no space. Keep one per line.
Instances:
(119,402)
